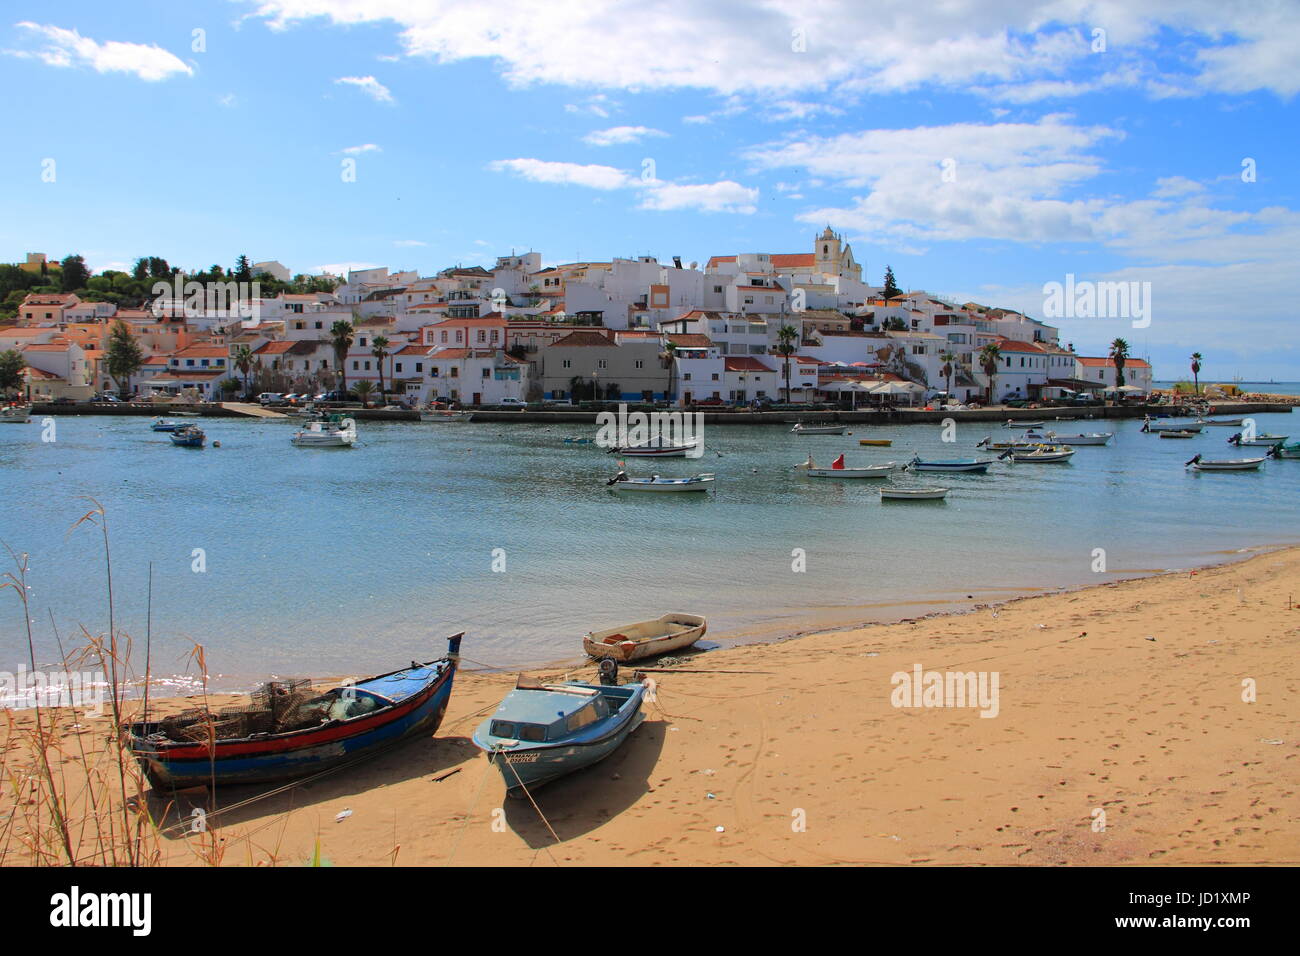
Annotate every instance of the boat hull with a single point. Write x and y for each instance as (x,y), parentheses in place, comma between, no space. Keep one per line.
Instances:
(879,442)
(976,467)
(288,756)
(1241,464)
(669,451)
(639,648)
(536,767)
(913,494)
(875,471)
(819,430)
(638,486)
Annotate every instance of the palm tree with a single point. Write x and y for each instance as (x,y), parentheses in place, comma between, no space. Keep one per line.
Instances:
(379,349)
(364,388)
(1196,371)
(244,362)
(947,358)
(341,339)
(785,347)
(1119,355)
(990,356)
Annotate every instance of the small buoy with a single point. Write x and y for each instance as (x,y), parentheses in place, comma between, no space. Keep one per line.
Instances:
(216,444)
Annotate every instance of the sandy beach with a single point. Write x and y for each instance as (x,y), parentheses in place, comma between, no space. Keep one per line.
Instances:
(1152,721)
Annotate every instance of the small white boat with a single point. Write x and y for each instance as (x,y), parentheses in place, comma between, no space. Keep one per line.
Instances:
(659,449)
(163,425)
(444,416)
(802,429)
(838,470)
(332,433)
(1041,454)
(17,414)
(980,465)
(1227,464)
(1260,440)
(913,494)
(660,485)
(1221,422)
(1177,434)
(1012,423)
(632,642)
(1151,427)
(1089,438)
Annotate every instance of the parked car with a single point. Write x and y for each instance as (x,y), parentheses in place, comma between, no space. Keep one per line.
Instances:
(338,395)
(269,398)
(561,402)
(513,403)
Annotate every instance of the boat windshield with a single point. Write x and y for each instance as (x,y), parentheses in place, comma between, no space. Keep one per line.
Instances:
(510,730)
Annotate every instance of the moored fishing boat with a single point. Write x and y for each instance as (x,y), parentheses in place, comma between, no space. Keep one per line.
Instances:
(838,469)
(163,425)
(817,428)
(1004,445)
(1221,422)
(1151,428)
(1040,454)
(1089,438)
(974,465)
(877,442)
(1012,423)
(445,416)
(1226,464)
(18,413)
(541,732)
(661,448)
(188,436)
(633,642)
(288,731)
(1164,433)
(333,432)
(1260,440)
(660,485)
(896,493)
(1283,450)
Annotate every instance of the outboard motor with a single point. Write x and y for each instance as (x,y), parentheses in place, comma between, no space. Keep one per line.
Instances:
(608,670)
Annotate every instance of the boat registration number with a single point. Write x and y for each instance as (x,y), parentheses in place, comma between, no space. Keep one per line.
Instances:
(521,758)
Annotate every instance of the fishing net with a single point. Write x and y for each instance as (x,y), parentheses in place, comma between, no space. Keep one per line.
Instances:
(275,707)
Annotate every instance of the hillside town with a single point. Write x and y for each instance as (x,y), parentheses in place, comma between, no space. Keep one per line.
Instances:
(749,328)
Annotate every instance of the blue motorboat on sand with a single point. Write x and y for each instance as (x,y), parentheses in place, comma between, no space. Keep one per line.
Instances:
(543,731)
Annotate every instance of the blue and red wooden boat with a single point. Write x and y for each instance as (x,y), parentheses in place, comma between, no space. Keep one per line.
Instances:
(287,732)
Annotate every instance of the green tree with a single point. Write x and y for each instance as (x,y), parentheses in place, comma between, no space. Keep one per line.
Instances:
(12,366)
(379,349)
(243,360)
(785,347)
(947,358)
(891,287)
(124,357)
(341,339)
(364,389)
(1196,371)
(74,274)
(990,356)
(1119,355)
(243,271)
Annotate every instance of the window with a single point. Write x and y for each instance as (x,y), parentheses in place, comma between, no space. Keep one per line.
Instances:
(639,364)
(367,366)
(581,718)
(686,376)
(717,288)
(532,732)
(455,372)
(355,365)
(397,366)
(419,366)
(715,378)
(487,372)
(601,363)
(362,341)
(320,325)
(567,363)
(444,336)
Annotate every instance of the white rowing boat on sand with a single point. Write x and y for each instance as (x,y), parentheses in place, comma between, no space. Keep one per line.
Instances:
(633,642)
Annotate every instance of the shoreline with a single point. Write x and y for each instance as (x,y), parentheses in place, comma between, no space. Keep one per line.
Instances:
(1119,702)
(733,638)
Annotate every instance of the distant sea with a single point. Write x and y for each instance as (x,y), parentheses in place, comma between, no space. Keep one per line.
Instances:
(289,561)
(1275,388)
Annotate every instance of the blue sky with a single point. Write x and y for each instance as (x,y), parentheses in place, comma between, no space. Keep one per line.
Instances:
(981,150)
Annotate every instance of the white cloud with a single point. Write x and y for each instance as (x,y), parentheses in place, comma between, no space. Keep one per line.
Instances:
(370,86)
(618,135)
(544,171)
(358,150)
(724,196)
(68,48)
(1235,45)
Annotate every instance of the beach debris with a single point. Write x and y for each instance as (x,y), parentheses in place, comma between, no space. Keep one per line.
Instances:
(712,797)
(708,773)
(1265,740)
(1150,638)
(342,815)
(443,776)
(720,829)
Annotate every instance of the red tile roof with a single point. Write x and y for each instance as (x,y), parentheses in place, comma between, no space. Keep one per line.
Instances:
(1110,363)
